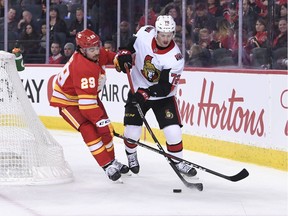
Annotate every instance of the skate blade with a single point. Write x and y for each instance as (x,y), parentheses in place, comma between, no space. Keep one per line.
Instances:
(119,181)
(192,178)
(135,174)
(127,174)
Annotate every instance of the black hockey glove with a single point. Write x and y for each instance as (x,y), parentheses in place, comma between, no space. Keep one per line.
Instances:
(141,96)
(122,57)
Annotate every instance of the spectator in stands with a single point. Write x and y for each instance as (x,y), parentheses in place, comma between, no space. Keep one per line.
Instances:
(214,8)
(231,14)
(42,38)
(29,43)
(188,43)
(77,25)
(56,56)
(44,10)
(260,7)
(109,46)
(178,40)
(259,39)
(281,14)
(190,19)
(253,6)
(283,11)
(256,47)
(204,38)
(223,43)
(198,56)
(280,45)
(69,49)
(58,28)
(224,36)
(27,18)
(61,7)
(173,10)
(151,19)
(203,20)
(281,38)
(11,20)
(42,43)
(204,42)
(249,18)
(125,33)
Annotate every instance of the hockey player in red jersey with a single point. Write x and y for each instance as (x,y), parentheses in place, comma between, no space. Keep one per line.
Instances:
(155,76)
(76,94)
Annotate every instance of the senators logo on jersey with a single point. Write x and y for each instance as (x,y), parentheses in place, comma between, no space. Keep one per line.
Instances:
(178,56)
(150,72)
(149,28)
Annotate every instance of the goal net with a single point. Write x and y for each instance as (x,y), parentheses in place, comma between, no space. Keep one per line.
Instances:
(28,153)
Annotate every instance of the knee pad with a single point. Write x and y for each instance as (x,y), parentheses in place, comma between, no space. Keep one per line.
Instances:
(173,134)
(133,132)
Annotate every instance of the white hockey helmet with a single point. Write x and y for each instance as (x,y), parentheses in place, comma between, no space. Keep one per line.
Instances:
(165,23)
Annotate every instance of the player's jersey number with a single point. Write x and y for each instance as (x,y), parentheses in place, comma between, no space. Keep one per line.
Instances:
(88,83)
(176,78)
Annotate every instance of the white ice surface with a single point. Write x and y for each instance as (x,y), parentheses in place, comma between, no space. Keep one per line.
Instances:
(263,193)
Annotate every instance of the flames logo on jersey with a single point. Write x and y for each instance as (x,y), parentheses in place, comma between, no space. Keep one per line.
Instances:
(150,72)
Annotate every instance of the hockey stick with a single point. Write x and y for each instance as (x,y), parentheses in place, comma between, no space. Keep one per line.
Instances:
(234,178)
(198,186)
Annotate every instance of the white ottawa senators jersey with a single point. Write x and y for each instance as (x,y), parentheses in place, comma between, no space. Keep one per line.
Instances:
(150,61)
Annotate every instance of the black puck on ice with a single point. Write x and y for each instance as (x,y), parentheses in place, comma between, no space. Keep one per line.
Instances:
(177,190)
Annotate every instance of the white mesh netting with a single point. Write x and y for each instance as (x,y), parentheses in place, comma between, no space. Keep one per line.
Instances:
(28,153)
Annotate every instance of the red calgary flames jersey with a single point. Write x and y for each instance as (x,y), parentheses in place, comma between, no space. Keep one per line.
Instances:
(77,83)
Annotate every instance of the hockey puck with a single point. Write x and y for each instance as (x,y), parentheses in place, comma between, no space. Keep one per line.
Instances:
(177,190)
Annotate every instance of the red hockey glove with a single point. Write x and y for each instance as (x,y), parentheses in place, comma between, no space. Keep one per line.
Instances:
(122,57)
(141,96)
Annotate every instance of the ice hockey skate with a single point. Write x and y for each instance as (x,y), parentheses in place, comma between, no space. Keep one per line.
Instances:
(186,169)
(133,162)
(112,172)
(122,168)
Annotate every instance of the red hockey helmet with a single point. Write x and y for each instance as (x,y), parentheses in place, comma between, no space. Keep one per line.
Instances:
(87,38)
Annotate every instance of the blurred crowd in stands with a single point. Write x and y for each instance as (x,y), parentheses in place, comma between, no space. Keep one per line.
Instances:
(211,29)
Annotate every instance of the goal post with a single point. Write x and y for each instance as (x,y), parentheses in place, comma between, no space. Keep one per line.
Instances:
(28,152)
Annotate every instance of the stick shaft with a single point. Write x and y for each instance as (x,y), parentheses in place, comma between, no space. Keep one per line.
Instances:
(237,177)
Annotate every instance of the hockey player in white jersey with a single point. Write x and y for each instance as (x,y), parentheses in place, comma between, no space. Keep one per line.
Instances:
(155,76)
